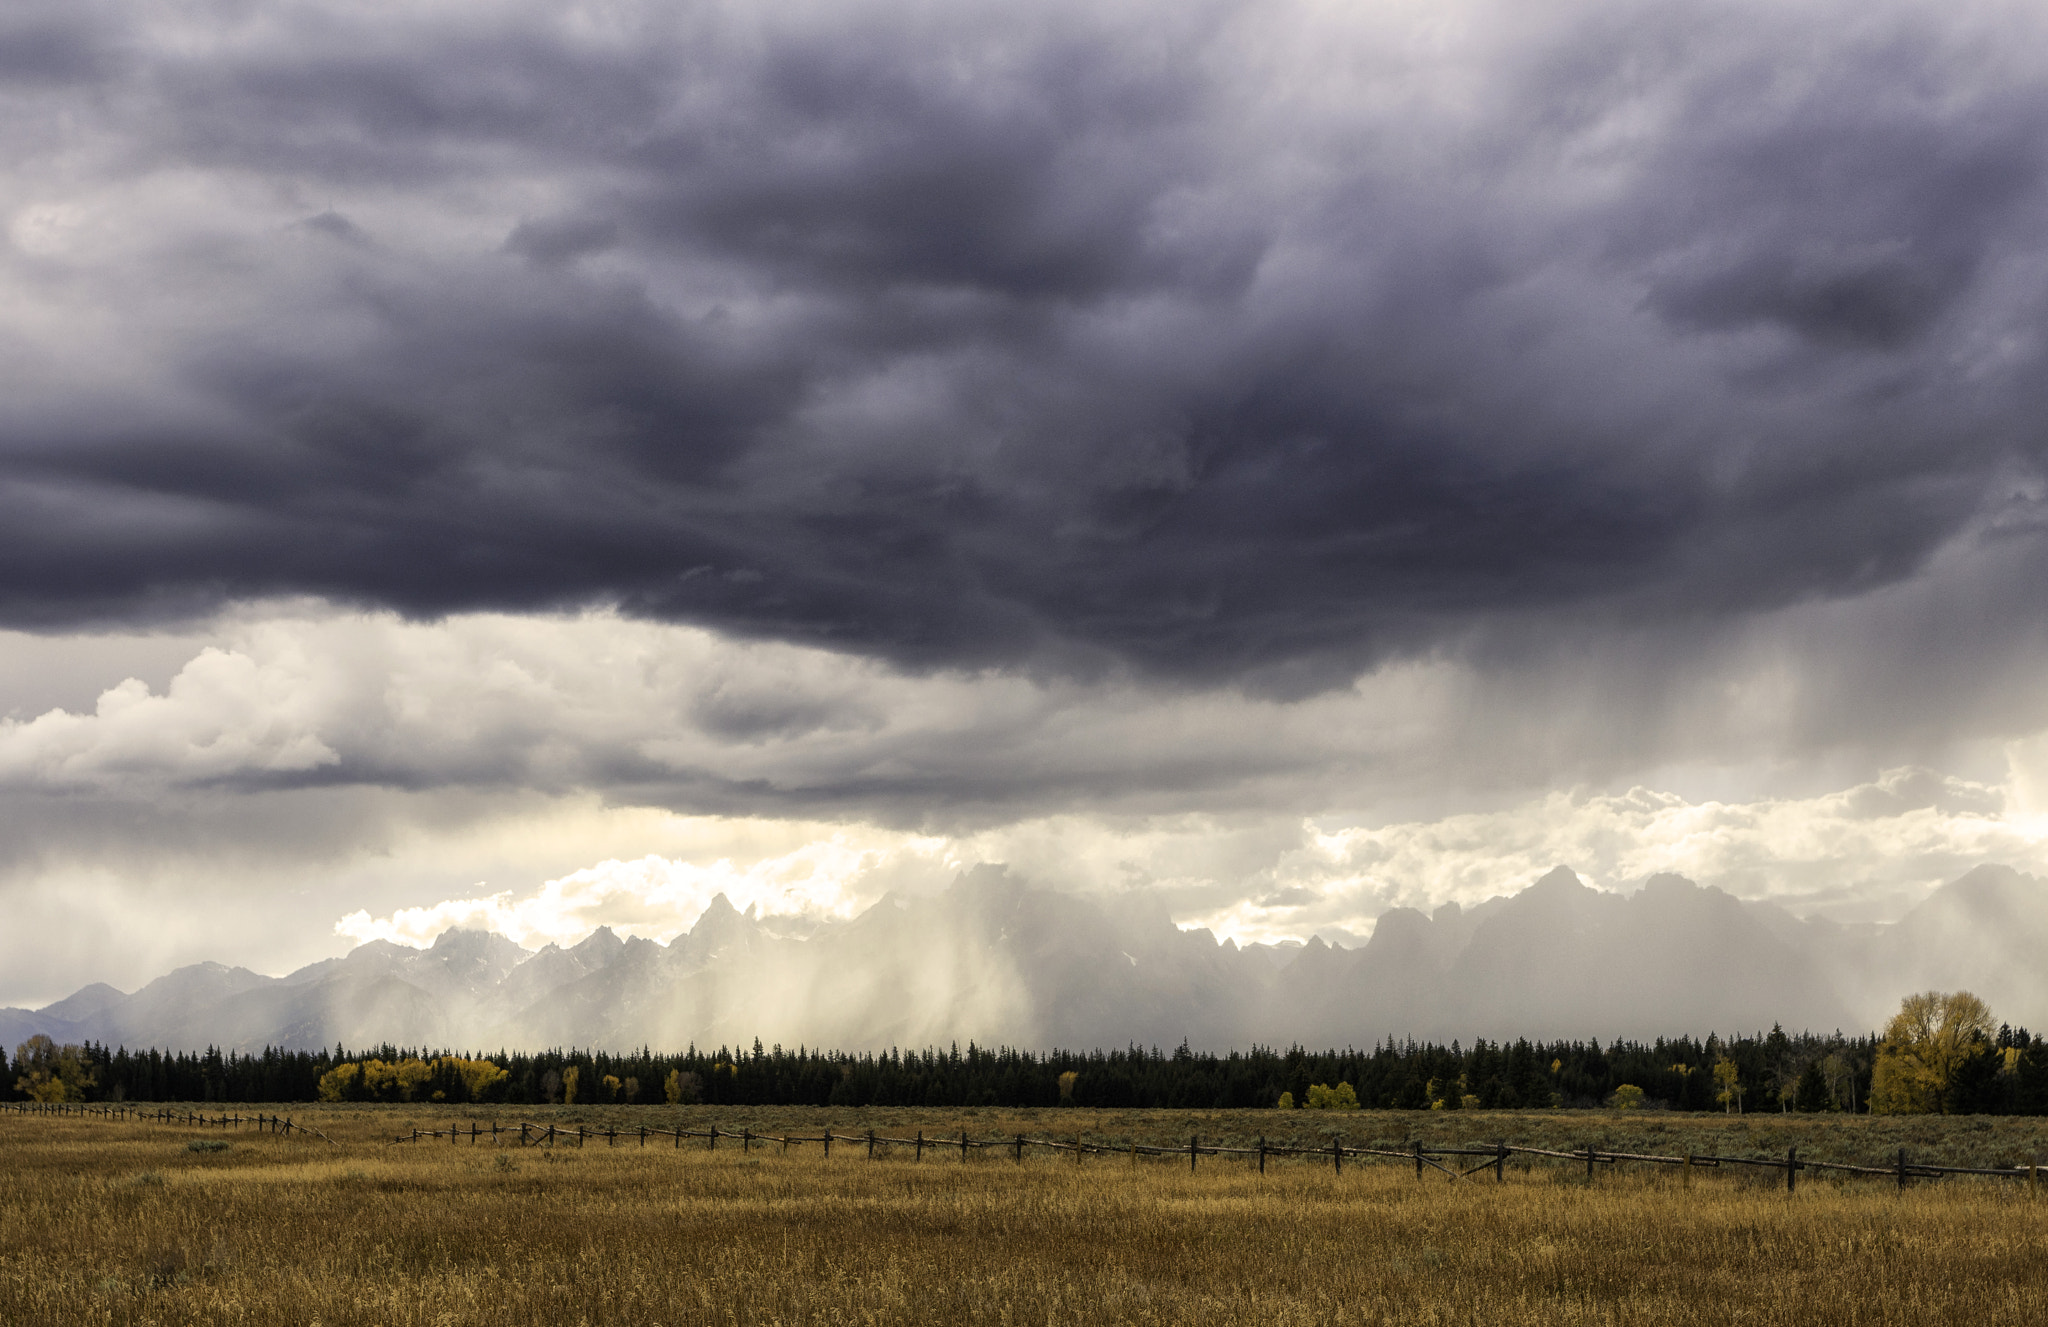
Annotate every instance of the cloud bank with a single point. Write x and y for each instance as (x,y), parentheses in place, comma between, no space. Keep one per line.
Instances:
(1219,341)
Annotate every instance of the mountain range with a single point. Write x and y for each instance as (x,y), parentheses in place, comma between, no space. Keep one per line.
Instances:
(1000,962)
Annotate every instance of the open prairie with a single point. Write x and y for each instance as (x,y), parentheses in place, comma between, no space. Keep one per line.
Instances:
(121,1222)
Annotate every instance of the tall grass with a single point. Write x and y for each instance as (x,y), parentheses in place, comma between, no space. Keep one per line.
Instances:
(118,1223)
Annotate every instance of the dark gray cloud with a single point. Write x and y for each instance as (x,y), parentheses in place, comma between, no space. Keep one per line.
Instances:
(1203,339)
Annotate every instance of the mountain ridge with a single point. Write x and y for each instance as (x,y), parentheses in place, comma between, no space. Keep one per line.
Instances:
(995,960)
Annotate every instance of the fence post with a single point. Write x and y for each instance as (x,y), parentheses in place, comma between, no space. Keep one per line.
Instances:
(1020,1149)
(963,1147)
(1193,1143)
(1500,1160)
(522,1133)
(1418,1158)
(1337,1154)
(1902,1169)
(1589,1163)
(1791,1169)
(1262,1154)
(871,1144)
(746,1138)
(919,1155)
(454,1133)
(643,1135)
(828,1142)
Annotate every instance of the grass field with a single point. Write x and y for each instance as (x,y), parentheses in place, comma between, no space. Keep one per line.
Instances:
(109,1222)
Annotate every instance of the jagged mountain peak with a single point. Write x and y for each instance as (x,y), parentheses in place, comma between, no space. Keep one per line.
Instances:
(998,959)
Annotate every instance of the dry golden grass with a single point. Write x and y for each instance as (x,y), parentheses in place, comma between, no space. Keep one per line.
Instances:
(104,1222)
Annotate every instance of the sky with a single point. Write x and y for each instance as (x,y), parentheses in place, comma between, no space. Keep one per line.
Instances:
(544,464)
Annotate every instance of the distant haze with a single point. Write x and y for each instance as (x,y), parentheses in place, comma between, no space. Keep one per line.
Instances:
(992,961)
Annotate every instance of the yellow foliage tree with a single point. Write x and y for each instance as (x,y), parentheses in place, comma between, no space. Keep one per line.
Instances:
(1926,1045)
(1067,1081)
(1340,1097)
(1628,1097)
(477,1077)
(336,1083)
(50,1072)
(569,1077)
(1728,1084)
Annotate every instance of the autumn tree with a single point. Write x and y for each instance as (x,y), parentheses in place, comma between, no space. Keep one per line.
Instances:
(1728,1084)
(49,1072)
(1927,1046)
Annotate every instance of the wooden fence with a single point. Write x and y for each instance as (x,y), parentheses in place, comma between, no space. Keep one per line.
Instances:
(1463,1162)
(164,1115)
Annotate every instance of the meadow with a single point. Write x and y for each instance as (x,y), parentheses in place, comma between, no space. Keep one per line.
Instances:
(122,1222)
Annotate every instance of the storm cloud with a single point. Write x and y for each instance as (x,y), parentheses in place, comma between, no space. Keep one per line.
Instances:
(547,463)
(1226,343)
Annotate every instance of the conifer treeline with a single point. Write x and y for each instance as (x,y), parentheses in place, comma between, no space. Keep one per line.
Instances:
(1776,1071)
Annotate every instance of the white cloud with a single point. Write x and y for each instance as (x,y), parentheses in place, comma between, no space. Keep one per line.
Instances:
(1888,841)
(660,898)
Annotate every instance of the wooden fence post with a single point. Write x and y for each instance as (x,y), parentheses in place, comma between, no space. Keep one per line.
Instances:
(1262,1154)
(919,1154)
(1500,1160)
(871,1144)
(828,1142)
(1902,1170)
(1337,1154)
(1791,1169)
(963,1147)
(1193,1143)
(1020,1149)
(1418,1158)
(1589,1163)
(746,1138)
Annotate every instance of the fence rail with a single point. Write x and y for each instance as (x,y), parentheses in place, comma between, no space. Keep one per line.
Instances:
(1493,1158)
(277,1124)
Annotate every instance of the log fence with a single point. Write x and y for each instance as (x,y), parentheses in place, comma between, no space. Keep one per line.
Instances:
(1492,1157)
